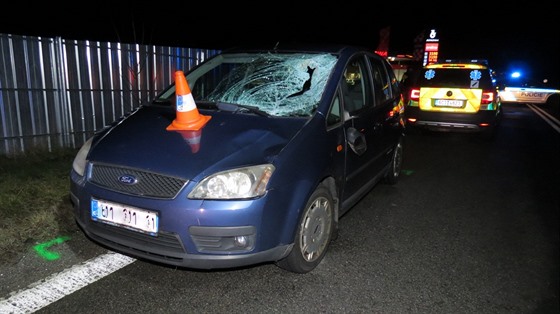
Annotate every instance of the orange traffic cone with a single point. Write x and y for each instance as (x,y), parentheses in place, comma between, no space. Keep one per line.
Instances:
(188,117)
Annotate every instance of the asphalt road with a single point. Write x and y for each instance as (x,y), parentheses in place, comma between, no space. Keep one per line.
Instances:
(472,227)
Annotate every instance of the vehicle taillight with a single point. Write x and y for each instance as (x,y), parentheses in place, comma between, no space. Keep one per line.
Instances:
(487,97)
(415,94)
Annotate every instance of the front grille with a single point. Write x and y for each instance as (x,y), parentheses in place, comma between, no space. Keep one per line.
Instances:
(147,184)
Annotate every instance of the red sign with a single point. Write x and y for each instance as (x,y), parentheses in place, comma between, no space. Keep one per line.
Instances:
(431,47)
(382,53)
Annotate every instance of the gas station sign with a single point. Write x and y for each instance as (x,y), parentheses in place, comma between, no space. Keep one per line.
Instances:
(431,48)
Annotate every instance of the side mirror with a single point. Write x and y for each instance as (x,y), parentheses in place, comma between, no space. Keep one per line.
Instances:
(356,141)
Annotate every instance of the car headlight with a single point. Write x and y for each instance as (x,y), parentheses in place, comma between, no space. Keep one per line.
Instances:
(240,183)
(79,164)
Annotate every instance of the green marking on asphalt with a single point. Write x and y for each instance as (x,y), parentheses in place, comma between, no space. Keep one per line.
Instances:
(42,249)
(407,172)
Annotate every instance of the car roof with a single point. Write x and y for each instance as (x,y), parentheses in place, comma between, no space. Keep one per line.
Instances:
(297,47)
(457,64)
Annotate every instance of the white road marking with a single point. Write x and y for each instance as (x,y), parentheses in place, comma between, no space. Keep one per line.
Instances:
(57,286)
(550,119)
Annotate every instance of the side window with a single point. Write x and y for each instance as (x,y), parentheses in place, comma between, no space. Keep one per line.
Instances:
(335,113)
(382,87)
(355,86)
(393,81)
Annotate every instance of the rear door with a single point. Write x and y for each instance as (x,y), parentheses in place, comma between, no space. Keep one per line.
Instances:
(388,108)
(367,101)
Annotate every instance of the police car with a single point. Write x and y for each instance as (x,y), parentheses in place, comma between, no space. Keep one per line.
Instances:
(529,95)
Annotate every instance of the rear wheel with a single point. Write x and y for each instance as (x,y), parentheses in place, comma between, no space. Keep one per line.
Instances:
(490,132)
(313,235)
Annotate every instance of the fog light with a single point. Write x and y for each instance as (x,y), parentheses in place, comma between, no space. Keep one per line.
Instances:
(241,241)
(224,240)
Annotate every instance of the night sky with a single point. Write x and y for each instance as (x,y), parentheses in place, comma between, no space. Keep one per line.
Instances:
(524,37)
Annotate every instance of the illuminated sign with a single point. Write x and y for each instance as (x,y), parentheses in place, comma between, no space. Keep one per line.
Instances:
(431,48)
(433,35)
(382,53)
(432,57)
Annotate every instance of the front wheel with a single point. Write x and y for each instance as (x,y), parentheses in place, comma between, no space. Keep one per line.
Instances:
(313,235)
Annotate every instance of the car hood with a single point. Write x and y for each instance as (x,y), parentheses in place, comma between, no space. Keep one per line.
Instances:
(226,141)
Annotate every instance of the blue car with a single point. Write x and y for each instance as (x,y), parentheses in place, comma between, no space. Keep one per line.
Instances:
(249,158)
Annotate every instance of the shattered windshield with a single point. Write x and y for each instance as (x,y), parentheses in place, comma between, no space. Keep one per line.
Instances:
(278,84)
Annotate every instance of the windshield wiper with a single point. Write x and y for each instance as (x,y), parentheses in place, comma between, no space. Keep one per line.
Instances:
(241,108)
(161,101)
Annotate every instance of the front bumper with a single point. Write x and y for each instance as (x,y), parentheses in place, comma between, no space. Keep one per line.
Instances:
(206,237)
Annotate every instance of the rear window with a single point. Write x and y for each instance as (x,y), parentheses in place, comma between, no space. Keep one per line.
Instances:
(456,78)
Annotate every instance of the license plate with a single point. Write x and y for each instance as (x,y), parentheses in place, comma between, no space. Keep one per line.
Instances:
(448,103)
(130,217)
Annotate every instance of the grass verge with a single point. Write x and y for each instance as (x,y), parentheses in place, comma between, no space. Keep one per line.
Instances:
(34,200)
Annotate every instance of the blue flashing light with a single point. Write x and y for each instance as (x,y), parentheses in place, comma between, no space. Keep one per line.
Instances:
(516,74)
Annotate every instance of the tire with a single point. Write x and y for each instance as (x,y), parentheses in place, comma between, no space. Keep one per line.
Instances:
(393,174)
(313,235)
(490,133)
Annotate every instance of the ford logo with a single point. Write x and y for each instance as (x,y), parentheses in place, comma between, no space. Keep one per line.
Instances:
(128,179)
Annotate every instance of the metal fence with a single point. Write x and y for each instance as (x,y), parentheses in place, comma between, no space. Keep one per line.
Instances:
(55,93)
